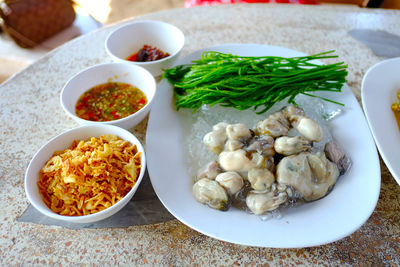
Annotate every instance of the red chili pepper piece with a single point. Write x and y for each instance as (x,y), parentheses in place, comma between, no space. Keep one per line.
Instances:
(142,101)
(132,57)
(85,99)
(91,115)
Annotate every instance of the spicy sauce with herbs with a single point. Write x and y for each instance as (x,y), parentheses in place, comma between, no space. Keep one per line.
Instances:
(110,101)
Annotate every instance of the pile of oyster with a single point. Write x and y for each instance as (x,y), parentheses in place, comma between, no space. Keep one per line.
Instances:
(276,163)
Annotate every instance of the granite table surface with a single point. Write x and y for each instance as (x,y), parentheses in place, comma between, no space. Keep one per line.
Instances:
(30,115)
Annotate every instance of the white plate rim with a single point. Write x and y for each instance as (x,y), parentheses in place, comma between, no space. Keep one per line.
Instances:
(285,239)
(369,103)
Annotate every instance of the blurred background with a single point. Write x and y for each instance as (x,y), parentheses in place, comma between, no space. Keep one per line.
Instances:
(93,14)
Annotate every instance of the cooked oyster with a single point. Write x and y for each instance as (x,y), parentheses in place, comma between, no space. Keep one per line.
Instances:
(238,131)
(221,126)
(291,110)
(275,125)
(231,181)
(211,193)
(307,127)
(258,160)
(260,202)
(211,170)
(263,144)
(335,154)
(232,145)
(325,171)
(215,140)
(287,146)
(261,179)
(235,161)
(245,172)
(310,175)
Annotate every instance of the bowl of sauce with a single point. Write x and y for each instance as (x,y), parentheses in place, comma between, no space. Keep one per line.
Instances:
(110,101)
(153,45)
(118,94)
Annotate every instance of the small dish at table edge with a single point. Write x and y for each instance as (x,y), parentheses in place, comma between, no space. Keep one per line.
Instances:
(378,91)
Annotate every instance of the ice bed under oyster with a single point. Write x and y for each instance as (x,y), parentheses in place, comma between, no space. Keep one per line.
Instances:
(263,163)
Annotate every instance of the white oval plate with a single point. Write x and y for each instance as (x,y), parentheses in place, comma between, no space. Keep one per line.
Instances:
(337,215)
(378,92)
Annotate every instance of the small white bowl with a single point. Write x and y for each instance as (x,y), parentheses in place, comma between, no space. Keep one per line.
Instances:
(130,38)
(103,73)
(62,142)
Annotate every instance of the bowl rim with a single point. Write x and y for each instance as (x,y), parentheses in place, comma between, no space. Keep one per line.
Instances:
(103,65)
(90,217)
(130,24)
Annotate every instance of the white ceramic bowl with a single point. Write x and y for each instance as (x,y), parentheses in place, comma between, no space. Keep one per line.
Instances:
(130,38)
(62,142)
(102,73)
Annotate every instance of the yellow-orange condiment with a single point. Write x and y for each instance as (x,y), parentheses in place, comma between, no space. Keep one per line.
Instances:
(396,109)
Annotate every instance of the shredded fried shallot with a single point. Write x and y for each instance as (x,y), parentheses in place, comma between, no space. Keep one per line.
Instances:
(90,176)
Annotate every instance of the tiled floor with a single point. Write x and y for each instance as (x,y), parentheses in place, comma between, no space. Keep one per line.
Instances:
(14,58)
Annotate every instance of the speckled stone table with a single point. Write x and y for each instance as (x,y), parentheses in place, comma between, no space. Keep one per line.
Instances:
(30,115)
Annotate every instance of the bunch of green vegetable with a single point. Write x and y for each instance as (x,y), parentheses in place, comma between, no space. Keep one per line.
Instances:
(252,82)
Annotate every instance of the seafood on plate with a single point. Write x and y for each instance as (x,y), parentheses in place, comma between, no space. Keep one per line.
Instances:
(270,166)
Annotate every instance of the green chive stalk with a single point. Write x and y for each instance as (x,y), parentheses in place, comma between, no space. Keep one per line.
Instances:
(252,82)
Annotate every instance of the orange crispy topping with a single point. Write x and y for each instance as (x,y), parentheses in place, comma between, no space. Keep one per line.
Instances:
(90,176)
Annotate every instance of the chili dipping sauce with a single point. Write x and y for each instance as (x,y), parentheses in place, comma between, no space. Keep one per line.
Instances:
(147,53)
(110,101)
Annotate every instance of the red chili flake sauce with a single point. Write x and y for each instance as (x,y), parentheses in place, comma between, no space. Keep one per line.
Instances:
(110,101)
(147,53)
